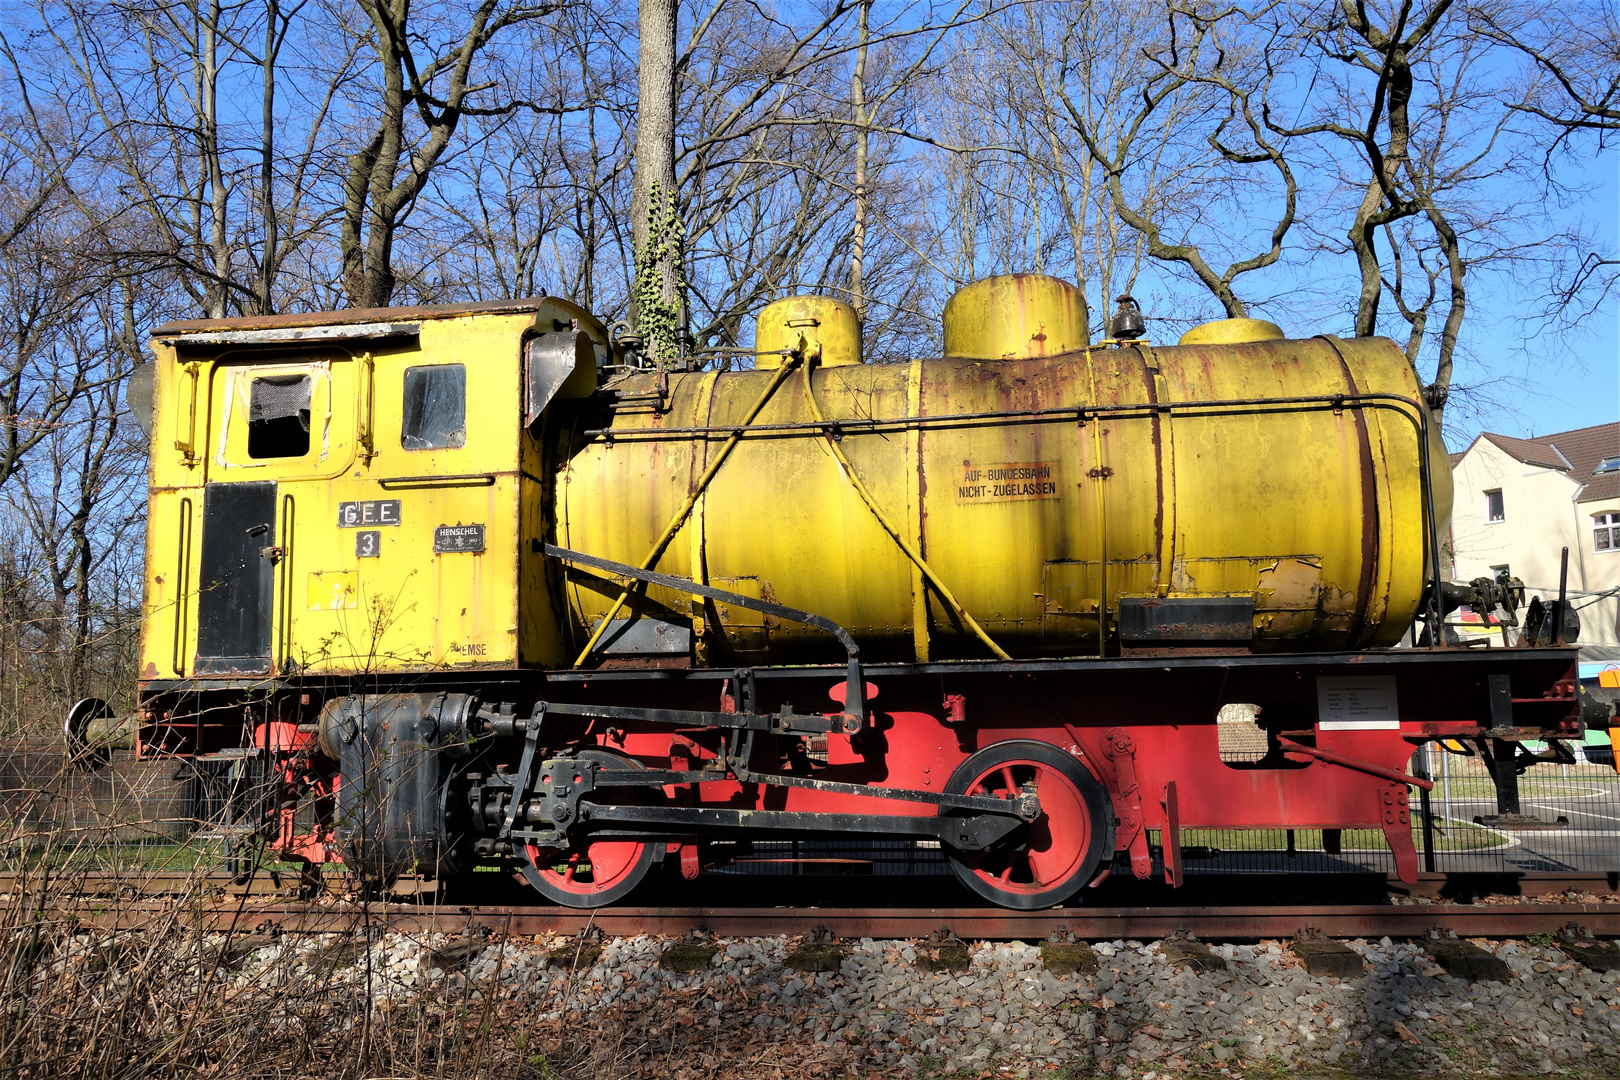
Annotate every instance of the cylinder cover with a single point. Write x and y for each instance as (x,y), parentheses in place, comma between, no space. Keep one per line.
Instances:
(1015,317)
(820,320)
(1232,332)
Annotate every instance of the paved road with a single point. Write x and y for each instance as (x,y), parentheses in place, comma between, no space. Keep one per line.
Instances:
(1591,840)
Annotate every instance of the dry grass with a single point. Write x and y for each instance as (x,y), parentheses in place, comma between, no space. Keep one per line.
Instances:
(168,1000)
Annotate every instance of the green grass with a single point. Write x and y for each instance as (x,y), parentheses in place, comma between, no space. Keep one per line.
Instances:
(1530,786)
(1450,835)
(132,856)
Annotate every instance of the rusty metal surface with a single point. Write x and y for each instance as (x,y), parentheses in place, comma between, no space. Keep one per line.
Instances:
(1106,531)
(354,315)
(1466,920)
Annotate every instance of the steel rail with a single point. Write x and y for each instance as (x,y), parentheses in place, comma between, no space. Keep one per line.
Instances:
(977,923)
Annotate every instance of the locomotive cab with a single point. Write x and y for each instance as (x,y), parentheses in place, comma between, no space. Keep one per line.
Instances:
(342,495)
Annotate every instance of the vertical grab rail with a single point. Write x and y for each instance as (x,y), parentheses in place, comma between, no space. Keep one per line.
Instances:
(283,644)
(181,580)
(188,420)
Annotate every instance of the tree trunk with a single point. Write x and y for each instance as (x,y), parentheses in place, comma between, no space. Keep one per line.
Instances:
(1382,202)
(215,296)
(270,258)
(658,254)
(857,243)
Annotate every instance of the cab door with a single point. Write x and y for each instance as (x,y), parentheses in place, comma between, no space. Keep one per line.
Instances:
(277,424)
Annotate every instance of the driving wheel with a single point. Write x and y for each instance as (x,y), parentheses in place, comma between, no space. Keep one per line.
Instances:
(592,873)
(1048,860)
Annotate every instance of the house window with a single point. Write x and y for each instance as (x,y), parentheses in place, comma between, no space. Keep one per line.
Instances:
(1606,532)
(435,407)
(1501,571)
(278,417)
(1608,464)
(1493,506)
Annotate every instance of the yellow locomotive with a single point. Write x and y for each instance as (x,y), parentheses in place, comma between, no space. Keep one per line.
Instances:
(481,587)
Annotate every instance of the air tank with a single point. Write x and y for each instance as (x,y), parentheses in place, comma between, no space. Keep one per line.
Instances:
(1271,488)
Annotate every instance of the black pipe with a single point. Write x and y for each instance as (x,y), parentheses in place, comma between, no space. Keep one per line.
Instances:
(851,425)
(1563,585)
(1420,768)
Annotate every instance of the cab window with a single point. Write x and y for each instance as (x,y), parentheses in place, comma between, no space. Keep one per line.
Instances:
(435,414)
(278,417)
(272,418)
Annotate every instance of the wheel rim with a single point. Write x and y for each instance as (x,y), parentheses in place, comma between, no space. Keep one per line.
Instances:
(594,868)
(1055,844)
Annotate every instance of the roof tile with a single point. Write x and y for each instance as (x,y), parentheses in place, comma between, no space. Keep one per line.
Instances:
(1576,454)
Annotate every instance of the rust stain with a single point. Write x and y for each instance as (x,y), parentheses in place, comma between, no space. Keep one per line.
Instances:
(354,315)
(1156,433)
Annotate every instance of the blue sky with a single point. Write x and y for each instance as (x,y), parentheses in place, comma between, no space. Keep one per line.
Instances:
(1569,383)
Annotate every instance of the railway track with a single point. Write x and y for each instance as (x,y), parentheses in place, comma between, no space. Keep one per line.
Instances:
(1224,909)
(1228,923)
(1429,886)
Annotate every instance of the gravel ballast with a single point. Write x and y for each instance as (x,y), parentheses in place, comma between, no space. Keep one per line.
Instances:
(1140,1015)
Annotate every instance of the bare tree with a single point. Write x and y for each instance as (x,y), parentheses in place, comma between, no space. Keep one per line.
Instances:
(1198,77)
(1574,91)
(1579,57)
(387,174)
(44,281)
(1415,96)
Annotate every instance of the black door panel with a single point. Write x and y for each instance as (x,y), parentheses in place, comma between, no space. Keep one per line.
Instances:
(236,584)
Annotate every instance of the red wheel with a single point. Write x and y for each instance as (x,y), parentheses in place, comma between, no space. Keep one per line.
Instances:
(1054,856)
(592,873)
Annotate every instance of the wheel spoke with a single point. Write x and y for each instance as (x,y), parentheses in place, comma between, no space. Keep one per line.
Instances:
(1047,864)
(1007,778)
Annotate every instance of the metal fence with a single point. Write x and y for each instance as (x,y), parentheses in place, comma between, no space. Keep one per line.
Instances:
(129,812)
(1573,824)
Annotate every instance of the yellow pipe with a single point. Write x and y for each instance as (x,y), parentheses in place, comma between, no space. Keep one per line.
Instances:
(889,527)
(681,515)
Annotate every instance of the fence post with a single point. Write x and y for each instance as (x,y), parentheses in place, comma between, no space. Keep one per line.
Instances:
(1420,769)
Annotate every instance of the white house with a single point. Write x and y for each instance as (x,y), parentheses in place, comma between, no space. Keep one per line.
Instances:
(1520,501)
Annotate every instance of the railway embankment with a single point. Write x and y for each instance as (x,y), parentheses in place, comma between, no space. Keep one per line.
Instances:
(160,1003)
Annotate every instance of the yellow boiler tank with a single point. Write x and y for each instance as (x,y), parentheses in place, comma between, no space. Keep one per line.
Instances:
(1274,486)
